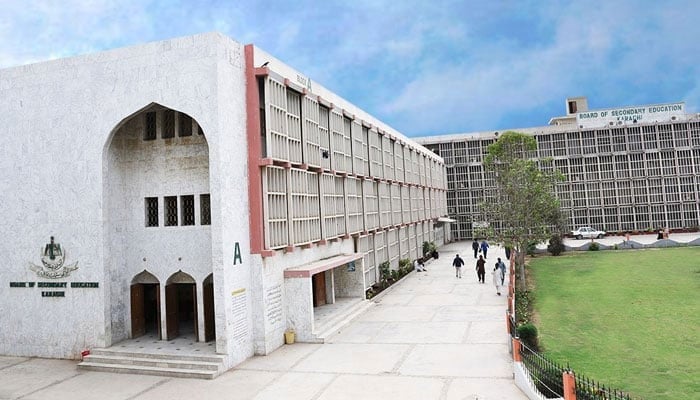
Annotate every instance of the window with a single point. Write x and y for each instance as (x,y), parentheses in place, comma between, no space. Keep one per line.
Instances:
(573,140)
(151,211)
(204,209)
(168,124)
(619,139)
(170,210)
(185,122)
(649,137)
(187,209)
(150,131)
(572,107)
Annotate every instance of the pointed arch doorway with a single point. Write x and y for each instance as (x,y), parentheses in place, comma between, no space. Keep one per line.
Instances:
(208,302)
(181,306)
(145,305)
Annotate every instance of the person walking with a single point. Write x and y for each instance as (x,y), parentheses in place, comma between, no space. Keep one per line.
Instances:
(484,247)
(475,247)
(502,267)
(496,273)
(457,263)
(481,269)
(507,248)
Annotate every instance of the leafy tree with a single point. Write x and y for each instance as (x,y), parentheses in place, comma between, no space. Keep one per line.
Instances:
(522,208)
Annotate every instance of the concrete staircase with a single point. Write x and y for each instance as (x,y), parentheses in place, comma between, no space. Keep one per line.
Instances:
(339,320)
(152,363)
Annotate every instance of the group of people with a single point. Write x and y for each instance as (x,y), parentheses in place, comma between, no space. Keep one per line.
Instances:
(499,270)
(480,248)
(498,273)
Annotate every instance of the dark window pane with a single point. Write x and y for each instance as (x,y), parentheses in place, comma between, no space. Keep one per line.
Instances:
(170,210)
(205,211)
(168,124)
(185,125)
(151,211)
(150,132)
(187,210)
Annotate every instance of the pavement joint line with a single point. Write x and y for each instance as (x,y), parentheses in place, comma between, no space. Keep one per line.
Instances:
(17,363)
(319,393)
(402,359)
(372,374)
(381,328)
(467,332)
(148,389)
(445,388)
(291,367)
(49,385)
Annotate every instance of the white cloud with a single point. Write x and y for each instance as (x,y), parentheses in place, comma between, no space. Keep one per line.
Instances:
(592,51)
(423,69)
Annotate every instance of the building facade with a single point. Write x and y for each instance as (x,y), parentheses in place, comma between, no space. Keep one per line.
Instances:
(196,187)
(626,169)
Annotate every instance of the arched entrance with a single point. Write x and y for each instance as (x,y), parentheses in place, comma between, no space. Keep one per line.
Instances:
(208,300)
(181,306)
(145,305)
(157,212)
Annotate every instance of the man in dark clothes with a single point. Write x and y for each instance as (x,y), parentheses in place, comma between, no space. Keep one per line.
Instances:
(481,269)
(507,252)
(475,247)
(484,247)
(457,263)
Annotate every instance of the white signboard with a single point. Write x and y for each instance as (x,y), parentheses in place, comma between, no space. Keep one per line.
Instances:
(629,115)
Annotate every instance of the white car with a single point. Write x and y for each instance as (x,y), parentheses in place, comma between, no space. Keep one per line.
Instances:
(587,232)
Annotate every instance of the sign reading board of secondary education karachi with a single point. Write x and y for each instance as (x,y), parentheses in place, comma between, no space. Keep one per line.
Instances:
(629,115)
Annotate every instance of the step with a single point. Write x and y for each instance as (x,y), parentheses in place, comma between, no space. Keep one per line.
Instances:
(141,370)
(337,323)
(152,362)
(154,354)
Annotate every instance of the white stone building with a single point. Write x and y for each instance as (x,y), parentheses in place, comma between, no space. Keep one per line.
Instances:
(627,169)
(195,187)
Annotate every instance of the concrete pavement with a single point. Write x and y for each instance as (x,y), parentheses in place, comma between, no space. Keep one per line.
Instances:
(431,336)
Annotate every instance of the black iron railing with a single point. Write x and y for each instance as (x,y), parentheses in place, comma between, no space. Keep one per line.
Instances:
(546,374)
(587,389)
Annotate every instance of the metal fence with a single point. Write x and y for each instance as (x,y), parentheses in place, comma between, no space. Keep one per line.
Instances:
(587,389)
(547,376)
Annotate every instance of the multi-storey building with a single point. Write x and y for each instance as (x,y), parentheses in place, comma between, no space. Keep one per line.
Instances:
(195,187)
(626,169)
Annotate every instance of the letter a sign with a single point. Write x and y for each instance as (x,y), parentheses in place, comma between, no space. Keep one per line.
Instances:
(237,254)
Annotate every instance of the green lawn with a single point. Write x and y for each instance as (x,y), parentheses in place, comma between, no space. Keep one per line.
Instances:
(629,318)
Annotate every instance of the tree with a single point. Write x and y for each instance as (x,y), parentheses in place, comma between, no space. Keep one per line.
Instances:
(522,207)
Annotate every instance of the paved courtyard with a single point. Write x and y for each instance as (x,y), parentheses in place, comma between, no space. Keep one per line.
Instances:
(431,336)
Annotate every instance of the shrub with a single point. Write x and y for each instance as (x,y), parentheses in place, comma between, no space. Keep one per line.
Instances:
(395,274)
(405,266)
(369,293)
(528,335)
(428,249)
(556,245)
(384,272)
(523,306)
(531,249)
(594,247)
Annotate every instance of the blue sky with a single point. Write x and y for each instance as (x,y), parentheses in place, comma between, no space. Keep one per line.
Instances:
(424,67)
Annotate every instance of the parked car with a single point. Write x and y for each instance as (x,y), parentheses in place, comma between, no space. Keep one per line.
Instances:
(587,232)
